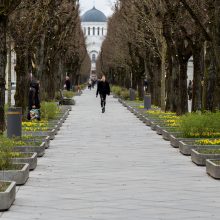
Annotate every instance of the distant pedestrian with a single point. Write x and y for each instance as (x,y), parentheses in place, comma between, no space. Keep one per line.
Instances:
(67,83)
(190,90)
(103,89)
(34,100)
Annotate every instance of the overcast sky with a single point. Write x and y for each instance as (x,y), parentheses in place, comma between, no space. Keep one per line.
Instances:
(103,5)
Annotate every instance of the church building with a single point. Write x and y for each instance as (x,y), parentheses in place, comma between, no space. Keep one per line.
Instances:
(94,25)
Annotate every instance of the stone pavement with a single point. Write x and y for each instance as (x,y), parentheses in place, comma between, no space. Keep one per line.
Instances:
(112,167)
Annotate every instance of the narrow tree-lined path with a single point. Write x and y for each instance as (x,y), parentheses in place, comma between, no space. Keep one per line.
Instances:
(112,167)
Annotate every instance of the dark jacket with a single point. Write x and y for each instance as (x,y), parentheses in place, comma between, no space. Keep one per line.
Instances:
(103,88)
(68,84)
(34,96)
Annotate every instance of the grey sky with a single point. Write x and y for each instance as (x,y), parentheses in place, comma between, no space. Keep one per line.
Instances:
(103,5)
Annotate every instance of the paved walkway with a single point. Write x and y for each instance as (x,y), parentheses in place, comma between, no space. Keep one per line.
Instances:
(112,167)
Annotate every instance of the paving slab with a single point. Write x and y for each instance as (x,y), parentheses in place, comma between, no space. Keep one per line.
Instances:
(112,167)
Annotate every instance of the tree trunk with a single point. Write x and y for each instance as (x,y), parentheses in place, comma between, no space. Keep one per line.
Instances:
(182,106)
(198,59)
(21,95)
(9,73)
(163,76)
(209,79)
(216,45)
(3,60)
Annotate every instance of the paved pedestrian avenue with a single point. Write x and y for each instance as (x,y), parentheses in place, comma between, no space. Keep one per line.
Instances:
(112,167)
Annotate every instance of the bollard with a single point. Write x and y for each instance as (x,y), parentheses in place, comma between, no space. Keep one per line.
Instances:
(132,94)
(147,101)
(14,122)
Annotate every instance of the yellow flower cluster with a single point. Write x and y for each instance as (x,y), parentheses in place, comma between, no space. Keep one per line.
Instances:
(141,107)
(35,128)
(158,112)
(35,124)
(208,142)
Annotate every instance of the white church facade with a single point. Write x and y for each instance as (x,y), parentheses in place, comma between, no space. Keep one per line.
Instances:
(94,25)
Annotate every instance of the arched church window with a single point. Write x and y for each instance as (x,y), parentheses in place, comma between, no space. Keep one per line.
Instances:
(93,30)
(98,31)
(88,30)
(93,58)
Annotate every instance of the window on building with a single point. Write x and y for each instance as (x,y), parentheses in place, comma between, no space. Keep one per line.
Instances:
(102,31)
(93,31)
(93,58)
(88,30)
(98,31)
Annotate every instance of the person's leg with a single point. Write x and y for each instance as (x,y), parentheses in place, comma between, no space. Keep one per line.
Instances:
(104,102)
(101,98)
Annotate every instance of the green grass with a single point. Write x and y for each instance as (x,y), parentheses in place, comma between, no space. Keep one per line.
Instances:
(4,186)
(49,110)
(200,125)
(209,151)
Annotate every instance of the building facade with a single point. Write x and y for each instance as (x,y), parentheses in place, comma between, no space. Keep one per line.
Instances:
(94,25)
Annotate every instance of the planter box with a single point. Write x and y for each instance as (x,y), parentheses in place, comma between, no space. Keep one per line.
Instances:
(200,158)
(40,150)
(213,169)
(31,160)
(174,141)
(186,145)
(159,129)
(153,126)
(8,197)
(19,176)
(167,134)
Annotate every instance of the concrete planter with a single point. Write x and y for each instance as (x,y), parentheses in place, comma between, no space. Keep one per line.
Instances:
(40,150)
(8,197)
(67,101)
(153,126)
(213,169)
(19,176)
(31,160)
(159,129)
(147,121)
(174,141)
(167,134)
(200,158)
(186,145)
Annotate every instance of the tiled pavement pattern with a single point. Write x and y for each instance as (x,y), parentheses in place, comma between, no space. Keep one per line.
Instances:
(112,167)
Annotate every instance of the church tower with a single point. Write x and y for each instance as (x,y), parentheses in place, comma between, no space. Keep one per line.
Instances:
(94,25)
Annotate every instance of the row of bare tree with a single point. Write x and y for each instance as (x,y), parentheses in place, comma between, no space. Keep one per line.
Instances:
(48,42)
(156,38)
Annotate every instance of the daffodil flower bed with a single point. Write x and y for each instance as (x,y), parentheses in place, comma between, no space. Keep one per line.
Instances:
(35,124)
(35,128)
(6,142)
(24,141)
(208,142)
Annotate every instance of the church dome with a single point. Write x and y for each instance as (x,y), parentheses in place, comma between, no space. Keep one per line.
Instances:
(94,15)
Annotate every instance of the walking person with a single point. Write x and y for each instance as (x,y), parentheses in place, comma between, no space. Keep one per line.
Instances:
(103,89)
(67,83)
(34,101)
